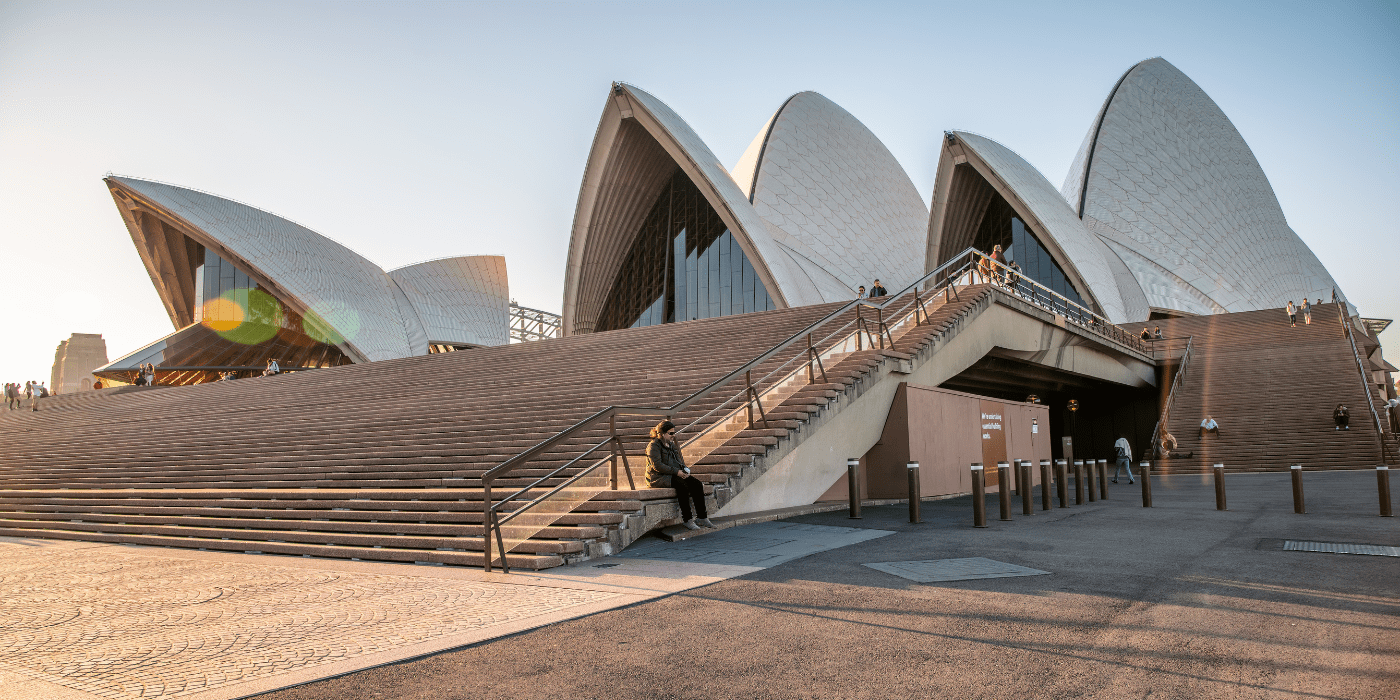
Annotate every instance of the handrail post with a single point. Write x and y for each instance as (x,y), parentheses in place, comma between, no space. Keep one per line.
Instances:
(612,427)
(860,326)
(486,524)
(753,397)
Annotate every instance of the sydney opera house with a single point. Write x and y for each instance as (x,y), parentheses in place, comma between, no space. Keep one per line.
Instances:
(722,299)
(243,286)
(1165,212)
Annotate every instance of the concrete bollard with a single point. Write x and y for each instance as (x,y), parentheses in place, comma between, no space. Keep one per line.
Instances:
(1383,485)
(1079,482)
(1062,482)
(1004,489)
(853,486)
(1045,484)
(1089,469)
(1027,501)
(1219,487)
(1103,479)
(1146,468)
(914,492)
(979,496)
(1297,470)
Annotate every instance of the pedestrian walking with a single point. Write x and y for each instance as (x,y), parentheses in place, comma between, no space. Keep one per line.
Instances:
(12,395)
(32,390)
(1292,314)
(1123,451)
(1307,312)
(877,289)
(666,469)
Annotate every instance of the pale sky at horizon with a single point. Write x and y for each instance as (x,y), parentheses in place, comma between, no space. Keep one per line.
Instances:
(410,131)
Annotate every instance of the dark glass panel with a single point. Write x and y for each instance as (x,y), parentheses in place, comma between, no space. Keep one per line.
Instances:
(683,265)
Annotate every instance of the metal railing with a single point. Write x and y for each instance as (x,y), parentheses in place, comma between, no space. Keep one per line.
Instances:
(909,310)
(1341,304)
(527,324)
(1163,419)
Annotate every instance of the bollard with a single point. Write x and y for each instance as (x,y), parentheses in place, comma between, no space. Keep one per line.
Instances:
(1027,501)
(914,492)
(1146,468)
(1079,482)
(853,486)
(1004,489)
(1103,479)
(1219,487)
(1089,468)
(1383,484)
(1062,482)
(1015,477)
(979,497)
(1297,470)
(1045,484)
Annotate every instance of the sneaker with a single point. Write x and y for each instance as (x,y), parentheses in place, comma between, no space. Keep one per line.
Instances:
(1115,481)
(690,525)
(704,522)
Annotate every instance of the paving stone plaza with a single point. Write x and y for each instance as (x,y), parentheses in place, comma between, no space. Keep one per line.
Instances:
(1098,599)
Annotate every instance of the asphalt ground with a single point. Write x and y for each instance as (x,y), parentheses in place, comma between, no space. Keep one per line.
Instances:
(1176,601)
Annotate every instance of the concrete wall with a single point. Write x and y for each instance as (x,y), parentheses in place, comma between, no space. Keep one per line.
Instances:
(812,462)
(945,432)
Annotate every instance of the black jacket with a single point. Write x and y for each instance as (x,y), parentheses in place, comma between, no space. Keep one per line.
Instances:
(664,460)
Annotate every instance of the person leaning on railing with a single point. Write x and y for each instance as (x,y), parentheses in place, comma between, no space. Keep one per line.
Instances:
(666,469)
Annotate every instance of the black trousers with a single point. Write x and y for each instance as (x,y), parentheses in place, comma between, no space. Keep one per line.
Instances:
(689,489)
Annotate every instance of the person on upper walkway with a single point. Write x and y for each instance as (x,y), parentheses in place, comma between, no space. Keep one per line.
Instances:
(1209,426)
(1157,333)
(877,289)
(1307,312)
(1342,417)
(666,469)
(272,368)
(1292,314)
(1146,334)
(860,292)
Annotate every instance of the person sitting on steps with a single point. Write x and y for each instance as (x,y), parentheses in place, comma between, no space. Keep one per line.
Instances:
(666,469)
(1146,334)
(1342,416)
(1169,449)
(1210,426)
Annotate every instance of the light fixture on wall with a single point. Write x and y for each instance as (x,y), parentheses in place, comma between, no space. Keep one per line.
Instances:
(1073,405)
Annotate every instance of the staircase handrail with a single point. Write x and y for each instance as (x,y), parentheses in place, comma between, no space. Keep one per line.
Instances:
(1341,302)
(1171,394)
(969,264)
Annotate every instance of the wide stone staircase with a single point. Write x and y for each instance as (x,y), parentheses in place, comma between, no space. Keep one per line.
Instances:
(384,461)
(1272,388)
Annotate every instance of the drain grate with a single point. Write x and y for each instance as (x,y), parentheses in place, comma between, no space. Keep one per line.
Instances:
(1341,548)
(953,569)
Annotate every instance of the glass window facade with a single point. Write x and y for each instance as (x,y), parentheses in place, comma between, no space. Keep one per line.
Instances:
(1035,261)
(684,265)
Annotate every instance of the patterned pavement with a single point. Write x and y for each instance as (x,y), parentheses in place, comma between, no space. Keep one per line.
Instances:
(122,624)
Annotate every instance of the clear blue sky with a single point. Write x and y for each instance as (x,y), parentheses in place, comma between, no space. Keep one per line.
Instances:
(409,131)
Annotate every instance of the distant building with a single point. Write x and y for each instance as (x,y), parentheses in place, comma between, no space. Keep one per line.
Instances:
(74,361)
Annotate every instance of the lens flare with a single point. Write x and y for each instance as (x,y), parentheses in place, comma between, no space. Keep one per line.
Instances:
(244,316)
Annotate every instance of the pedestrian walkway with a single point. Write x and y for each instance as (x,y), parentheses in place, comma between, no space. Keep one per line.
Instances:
(84,620)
